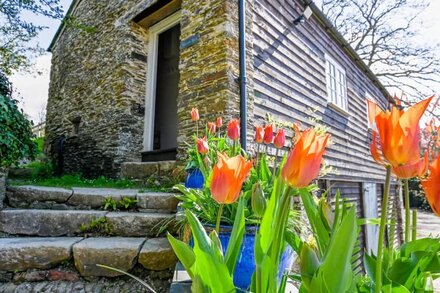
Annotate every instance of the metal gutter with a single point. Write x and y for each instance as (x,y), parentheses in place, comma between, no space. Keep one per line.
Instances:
(242,76)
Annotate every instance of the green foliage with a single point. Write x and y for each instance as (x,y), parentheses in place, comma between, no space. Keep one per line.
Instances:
(97,226)
(40,144)
(209,270)
(16,33)
(411,268)
(126,203)
(15,129)
(110,204)
(40,169)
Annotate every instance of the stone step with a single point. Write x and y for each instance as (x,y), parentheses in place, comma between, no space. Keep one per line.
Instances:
(145,170)
(40,259)
(54,223)
(86,198)
(19,254)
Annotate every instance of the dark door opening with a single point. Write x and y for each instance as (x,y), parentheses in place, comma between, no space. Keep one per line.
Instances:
(167,90)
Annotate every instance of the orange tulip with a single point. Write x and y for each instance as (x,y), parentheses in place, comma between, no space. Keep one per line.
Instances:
(195,114)
(211,127)
(431,186)
(304,161)
(280,139)
(234,129)
(219,122)
(268,134)
(202,145)
(228,177)
(259,134)
(399,138)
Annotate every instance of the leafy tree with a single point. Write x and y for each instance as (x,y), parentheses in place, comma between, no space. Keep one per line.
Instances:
(383,34)
(16,33)
(16,138)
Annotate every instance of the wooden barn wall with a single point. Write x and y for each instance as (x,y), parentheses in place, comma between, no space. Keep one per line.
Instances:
(290,85)
(352,193)
(394,212)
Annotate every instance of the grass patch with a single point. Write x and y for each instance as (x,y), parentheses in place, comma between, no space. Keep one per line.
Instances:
(69,181)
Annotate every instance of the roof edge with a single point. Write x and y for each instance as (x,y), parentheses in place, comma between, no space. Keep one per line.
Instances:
(352,54)
(60,29)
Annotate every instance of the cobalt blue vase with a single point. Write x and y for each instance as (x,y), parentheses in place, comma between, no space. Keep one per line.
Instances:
(194,179)
(245,266)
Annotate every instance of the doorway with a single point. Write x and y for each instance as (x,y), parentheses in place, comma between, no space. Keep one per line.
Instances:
(160,133)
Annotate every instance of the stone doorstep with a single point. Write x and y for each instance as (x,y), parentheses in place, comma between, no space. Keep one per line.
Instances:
(18,196)
(21,254)
(143,170)
(68,222)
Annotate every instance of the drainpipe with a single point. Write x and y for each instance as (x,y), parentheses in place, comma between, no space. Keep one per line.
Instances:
(242,77)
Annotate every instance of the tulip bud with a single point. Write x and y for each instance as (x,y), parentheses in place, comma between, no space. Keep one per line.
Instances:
(268,134)
(258,201)
(280,139)
(259,134)
(234,129)
(211,127)
(195,114)
(219,122)
(202,145)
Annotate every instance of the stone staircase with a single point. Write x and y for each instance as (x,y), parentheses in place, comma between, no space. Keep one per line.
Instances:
(52,238)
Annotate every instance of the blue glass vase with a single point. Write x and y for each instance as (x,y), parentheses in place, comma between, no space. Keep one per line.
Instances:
(194,179)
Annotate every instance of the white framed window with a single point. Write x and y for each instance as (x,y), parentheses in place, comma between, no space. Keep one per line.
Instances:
(336,85)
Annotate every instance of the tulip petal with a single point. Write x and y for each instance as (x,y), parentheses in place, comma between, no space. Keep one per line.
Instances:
(374,151)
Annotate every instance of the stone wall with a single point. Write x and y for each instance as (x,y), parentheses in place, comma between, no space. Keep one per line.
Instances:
(210,68)
(97,90)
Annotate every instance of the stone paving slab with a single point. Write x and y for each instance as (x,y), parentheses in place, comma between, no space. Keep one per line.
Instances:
(46,222)
(157,254)
(96,197)
(157,201)
(115,252)
(37,197)
(20,196)
(137,224)
(18,254)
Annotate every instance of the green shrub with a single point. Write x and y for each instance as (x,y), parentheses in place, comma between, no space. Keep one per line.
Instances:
(16,138)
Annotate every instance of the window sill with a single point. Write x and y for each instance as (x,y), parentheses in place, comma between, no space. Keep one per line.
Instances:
(338,109)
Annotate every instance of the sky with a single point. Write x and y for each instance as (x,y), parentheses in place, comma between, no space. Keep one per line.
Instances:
(33,87)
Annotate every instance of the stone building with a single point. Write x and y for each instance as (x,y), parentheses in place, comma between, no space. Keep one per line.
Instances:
(125,75)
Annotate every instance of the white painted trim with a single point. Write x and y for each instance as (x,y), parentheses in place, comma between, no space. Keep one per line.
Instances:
(150,98)
(343,105)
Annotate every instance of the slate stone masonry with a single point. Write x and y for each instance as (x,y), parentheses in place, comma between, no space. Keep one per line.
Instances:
(95,112)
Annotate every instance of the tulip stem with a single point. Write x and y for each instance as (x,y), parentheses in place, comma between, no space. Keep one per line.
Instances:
(407,211)
(414,225)
(258,156)
(275,165)
(383,222)
(219,216)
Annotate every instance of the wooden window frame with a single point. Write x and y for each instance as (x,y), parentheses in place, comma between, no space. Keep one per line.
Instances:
(336,80)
